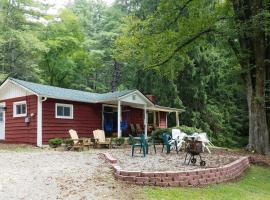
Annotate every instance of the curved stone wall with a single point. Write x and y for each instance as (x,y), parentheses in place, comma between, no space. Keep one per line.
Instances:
(180,178)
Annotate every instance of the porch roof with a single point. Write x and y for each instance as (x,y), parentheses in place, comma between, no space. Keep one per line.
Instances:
(165,109)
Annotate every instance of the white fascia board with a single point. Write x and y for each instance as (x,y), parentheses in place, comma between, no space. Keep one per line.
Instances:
(140,94)
(165,109)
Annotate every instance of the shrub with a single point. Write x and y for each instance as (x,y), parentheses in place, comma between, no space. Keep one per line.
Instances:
(186,129)
(156,135)
(119,141)
(68,142)
(189,130)
(55,142)
(131,140)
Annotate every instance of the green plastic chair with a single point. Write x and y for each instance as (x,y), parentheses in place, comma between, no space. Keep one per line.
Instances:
(148,143)
(138,143)
(167,141)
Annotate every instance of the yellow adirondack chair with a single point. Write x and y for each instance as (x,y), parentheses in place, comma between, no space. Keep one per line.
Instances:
(100,139)
(77,143)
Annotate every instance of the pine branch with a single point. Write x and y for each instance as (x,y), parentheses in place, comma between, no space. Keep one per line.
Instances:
(183,44)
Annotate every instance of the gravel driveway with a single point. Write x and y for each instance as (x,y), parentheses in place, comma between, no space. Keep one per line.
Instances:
(60,175)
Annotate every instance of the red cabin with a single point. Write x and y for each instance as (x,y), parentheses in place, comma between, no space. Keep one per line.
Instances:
(32,113)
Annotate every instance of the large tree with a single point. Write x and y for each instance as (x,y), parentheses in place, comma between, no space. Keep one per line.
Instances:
(162,39)
(63,39)
(20,47)
(251,21)
(102,26)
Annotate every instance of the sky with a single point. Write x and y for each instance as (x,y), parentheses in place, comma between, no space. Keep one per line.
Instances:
(58,4)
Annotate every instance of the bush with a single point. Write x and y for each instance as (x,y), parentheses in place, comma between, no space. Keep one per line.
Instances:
(68,142)
(131,140)
(229,140)
(119,141)
(55,142)
(156,135)
(189,130)
(186,129)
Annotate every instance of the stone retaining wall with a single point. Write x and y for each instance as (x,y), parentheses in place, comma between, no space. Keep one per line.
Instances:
(181,178)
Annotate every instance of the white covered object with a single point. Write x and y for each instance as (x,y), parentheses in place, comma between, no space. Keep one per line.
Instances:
(178,136)
(203,137)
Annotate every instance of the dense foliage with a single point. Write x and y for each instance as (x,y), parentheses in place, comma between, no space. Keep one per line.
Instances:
(189,53)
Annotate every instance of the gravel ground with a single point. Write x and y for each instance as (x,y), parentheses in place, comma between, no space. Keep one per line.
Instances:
(167,162)
(29,173)
(60,175)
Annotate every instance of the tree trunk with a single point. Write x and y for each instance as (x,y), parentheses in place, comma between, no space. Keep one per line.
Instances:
(249,91)
(116,75)
(260,129)
(253,43)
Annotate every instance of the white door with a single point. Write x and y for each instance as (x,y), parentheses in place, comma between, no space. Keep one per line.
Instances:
(2,121)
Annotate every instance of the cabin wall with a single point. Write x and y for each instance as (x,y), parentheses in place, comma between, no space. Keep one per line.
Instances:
(163,120)
(136,116)
(16,129)
(86,118)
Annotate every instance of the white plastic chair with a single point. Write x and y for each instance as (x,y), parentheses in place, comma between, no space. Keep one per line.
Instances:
(205,141)
(178,135)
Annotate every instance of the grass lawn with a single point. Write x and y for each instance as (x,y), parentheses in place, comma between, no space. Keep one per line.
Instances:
(254,185)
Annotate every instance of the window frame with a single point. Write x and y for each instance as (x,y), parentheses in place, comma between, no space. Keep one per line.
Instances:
(15,109)
(64,105)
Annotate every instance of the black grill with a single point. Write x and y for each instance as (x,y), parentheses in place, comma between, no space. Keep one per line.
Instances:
(194,148)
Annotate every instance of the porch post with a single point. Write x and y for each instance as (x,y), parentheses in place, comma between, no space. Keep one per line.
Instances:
(119,114)
(177,118)
(39,121)
(102,115)
(155,118)
(145,121)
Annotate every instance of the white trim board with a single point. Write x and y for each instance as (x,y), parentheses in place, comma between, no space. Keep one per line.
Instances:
(3,136)
(15,109)
(141,96)
(64,105)
(39,122)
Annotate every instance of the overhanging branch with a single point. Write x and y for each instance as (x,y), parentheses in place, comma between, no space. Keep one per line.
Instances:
(183,44)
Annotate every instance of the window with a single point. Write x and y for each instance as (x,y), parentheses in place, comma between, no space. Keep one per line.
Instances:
(64,111)
(1,117)
(19,109)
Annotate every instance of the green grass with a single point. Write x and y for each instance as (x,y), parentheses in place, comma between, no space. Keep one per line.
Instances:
(255,185)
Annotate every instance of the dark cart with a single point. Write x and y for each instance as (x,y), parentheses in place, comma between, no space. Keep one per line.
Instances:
(194,148)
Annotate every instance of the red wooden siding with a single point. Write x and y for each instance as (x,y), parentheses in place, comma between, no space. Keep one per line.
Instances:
(163,120)
(86,118)
(136,116)
(16,130)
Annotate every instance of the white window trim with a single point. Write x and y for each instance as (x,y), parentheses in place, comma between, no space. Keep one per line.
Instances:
(65,105)
(14,109)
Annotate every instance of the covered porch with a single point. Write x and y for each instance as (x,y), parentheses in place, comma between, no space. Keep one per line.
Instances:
(134,109)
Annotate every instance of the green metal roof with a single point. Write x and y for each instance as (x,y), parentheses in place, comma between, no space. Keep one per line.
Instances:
(69,94)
